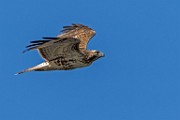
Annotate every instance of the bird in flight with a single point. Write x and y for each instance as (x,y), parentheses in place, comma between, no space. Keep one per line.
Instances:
(66,51)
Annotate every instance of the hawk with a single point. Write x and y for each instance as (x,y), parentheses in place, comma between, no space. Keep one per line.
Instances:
(66,51)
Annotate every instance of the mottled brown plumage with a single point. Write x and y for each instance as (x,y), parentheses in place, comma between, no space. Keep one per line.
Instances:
(66,51)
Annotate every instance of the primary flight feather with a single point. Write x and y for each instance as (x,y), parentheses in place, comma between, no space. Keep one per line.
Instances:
(66,51)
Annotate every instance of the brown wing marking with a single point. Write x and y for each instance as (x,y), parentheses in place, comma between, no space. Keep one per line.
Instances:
(66,48)
(79,31)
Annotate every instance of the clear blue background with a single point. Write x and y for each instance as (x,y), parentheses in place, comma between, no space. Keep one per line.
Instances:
(138,79)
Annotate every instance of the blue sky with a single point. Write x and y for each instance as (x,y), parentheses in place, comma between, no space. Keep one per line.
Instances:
(138,79)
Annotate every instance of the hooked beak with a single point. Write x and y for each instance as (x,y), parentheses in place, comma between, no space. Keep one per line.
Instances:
(101,54)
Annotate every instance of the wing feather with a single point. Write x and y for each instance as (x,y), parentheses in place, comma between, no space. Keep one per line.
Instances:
(50,38)
(39,41)
(35,44)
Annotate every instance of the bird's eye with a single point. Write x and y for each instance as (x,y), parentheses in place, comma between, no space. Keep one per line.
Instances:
(97,52)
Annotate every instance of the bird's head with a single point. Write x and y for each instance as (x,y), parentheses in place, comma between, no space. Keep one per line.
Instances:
(94,55)
(98,53)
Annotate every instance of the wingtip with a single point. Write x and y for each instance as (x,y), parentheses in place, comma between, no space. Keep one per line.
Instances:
(50,38)
(24,51)
(32,48)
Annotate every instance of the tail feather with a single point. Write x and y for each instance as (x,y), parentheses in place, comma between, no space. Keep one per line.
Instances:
(27,70)
(40,67)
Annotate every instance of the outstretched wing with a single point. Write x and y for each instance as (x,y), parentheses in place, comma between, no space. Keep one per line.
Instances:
(78,31)
(73,38)
(66,47)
